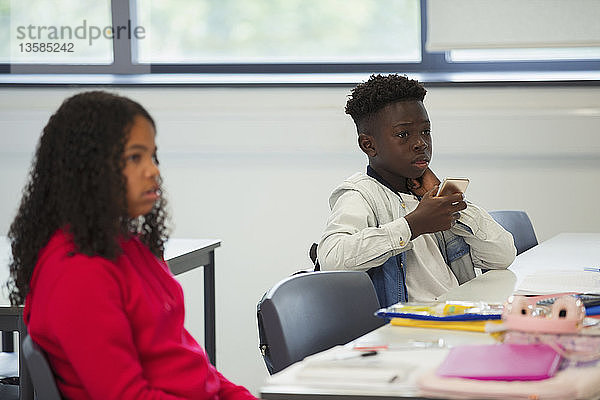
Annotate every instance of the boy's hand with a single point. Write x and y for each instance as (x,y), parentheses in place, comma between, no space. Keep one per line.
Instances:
(434,214)
(423,184)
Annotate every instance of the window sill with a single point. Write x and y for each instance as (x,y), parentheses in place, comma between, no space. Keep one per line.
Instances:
(559,78)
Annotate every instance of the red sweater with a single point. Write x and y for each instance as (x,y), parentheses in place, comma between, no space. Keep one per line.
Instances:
(114,330)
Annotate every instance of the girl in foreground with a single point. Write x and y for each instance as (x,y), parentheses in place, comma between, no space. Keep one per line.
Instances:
(87,246)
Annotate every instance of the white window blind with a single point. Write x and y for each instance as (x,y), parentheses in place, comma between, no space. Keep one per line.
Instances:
(472,24)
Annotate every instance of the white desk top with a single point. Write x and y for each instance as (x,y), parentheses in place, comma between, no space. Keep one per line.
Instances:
(178,247)
(173,248)
(319,374)
(566,251)
(493,286)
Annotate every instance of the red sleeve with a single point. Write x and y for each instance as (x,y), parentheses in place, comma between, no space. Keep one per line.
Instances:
(94,334)
(231,391)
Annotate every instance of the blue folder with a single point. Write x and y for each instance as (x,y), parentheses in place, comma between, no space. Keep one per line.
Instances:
(460,317)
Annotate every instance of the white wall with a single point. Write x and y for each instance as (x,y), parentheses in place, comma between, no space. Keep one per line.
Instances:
(254,167)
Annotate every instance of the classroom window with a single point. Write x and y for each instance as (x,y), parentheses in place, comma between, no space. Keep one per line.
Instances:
(543,54)
(4,30)
(231,39)
(56,32)
(526,34)
(279,31)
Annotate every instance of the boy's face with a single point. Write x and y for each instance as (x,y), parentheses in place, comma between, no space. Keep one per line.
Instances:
(398,142)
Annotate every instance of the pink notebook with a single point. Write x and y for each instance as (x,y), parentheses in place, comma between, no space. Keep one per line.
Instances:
(501,362)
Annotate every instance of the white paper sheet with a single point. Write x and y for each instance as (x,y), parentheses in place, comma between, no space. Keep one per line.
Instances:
(560,281)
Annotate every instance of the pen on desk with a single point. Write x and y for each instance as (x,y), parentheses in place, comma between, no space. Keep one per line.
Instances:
(356,355)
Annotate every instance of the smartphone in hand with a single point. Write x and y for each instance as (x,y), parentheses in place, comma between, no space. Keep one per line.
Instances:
(452,185)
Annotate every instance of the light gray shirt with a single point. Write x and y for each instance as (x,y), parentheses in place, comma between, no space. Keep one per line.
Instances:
(367,226)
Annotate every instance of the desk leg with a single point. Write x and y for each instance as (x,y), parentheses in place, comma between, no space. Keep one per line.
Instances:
(209,310)
(25,386)
(8,345)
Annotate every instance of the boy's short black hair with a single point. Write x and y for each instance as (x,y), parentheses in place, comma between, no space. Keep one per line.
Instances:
(379,91)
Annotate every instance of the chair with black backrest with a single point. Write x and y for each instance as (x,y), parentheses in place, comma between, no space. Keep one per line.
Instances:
(40,373)
(308,313)
(519,225)
(9,371)
(14,380)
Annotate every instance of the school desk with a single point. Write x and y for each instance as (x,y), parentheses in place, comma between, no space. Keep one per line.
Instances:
(183,255)
(559,264)
(392,372)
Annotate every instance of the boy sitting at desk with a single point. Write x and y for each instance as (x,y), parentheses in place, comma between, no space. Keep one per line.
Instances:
(389,222)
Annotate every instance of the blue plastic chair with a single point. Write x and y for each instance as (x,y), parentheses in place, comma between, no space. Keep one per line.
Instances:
(519,225)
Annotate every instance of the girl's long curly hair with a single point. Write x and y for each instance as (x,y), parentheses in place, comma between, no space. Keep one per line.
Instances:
(76,183)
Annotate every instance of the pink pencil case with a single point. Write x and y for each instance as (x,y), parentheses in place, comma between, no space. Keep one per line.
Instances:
(501,362)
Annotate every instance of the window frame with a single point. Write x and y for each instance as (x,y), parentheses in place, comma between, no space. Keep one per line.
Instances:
(433,68)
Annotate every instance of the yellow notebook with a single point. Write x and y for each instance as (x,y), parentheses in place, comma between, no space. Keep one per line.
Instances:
(473,326)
